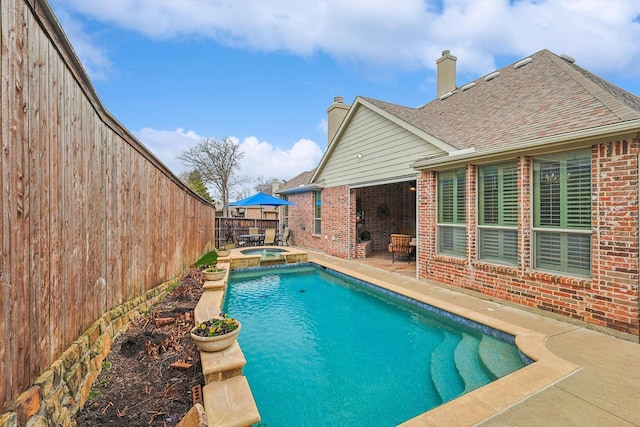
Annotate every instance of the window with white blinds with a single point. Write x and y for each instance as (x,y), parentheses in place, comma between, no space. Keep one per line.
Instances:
(452,196)
(317,212)
(562,213)
(498,213)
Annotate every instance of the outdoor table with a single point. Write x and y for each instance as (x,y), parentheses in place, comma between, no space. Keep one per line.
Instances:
(252,239)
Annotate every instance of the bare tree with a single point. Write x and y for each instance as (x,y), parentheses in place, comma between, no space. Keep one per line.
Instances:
(263,184)
(217,163)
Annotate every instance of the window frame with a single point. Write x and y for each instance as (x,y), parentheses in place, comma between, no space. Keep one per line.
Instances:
(552,217)
(285,212)
(502,224)
(451,221)
(317,212)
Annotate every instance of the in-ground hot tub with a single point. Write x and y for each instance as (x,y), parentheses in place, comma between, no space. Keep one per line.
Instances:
(266,255)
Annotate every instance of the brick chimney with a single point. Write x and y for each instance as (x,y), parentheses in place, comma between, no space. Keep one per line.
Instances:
(335,114)
(446,73)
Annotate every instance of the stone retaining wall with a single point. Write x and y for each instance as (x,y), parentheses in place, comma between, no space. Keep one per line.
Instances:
(61,391)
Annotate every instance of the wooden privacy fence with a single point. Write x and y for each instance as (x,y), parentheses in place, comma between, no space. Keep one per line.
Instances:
(90,218)
(240,226)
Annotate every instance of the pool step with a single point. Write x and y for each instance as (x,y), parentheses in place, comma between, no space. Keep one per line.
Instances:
(442,362)
(499,357)
(230,403)
(469,366)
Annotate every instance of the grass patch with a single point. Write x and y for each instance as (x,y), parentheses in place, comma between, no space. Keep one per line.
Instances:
(208,258)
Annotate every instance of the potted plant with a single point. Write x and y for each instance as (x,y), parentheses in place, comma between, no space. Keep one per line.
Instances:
(215,334)
(214,273)
(365,235)
(222,252)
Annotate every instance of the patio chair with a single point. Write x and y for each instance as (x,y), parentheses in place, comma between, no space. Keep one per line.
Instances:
(283,240)
(269,237)
(400,247)
(255,240)
(239,244)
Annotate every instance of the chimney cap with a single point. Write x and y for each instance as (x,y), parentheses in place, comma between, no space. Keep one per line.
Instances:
(446,52)
(338,99)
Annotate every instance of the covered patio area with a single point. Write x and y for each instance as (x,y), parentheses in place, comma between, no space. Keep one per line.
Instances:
(382,260)
(382,210)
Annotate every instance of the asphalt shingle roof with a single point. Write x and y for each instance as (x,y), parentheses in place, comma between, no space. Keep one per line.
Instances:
(548,96)
(297,181)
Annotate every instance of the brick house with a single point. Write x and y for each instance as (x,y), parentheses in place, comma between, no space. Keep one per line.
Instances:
(521,185)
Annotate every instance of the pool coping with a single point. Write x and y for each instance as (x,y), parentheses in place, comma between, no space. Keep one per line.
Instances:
(238,260)
(492,399)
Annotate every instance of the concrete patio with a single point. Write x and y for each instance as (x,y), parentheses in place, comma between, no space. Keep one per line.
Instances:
(604,391)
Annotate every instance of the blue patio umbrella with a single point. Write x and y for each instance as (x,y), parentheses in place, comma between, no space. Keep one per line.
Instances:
(261,199)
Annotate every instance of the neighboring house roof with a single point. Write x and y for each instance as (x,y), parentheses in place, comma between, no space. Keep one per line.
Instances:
(542,99)
(297,184)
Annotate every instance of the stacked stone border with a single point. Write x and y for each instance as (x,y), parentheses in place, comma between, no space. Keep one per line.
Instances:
(61,391)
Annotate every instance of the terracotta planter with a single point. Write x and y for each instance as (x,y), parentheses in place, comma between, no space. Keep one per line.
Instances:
(217,343)
(215,275)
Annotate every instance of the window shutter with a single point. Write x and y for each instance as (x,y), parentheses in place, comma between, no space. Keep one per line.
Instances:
(446,200)
(579,253)
(509,195)
(549,195)
(579,193)
(548,251)
(461,198)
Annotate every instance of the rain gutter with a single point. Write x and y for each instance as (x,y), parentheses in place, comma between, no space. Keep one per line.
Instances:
(561,142)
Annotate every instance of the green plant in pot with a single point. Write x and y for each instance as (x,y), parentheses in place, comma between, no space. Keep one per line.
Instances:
(214,273)
(365,235)
(222,251)
(215,334)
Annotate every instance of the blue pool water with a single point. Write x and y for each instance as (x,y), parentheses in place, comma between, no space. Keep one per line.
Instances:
(323,350)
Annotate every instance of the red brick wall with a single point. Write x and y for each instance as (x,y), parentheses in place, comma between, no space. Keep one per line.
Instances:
(301,218)
(608,299)
(337,220)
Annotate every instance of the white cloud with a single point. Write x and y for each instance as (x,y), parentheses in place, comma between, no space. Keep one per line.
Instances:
(260,158)
(323,126)
(263,159)
(166,145)
(94,58)
(400,35)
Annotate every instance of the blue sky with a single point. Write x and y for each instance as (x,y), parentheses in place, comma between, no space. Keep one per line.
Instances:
(264,72)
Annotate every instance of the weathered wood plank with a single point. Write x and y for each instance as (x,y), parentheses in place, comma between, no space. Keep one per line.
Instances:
(90,218)
(39,194)
(5,327)
(56,207)
(15,65)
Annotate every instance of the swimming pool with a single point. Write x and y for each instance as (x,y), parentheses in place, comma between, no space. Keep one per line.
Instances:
(347,353)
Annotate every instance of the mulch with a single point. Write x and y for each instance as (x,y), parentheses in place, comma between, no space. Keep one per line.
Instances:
(152,375)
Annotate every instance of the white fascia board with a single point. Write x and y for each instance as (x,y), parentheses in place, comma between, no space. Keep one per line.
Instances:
(562,142)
